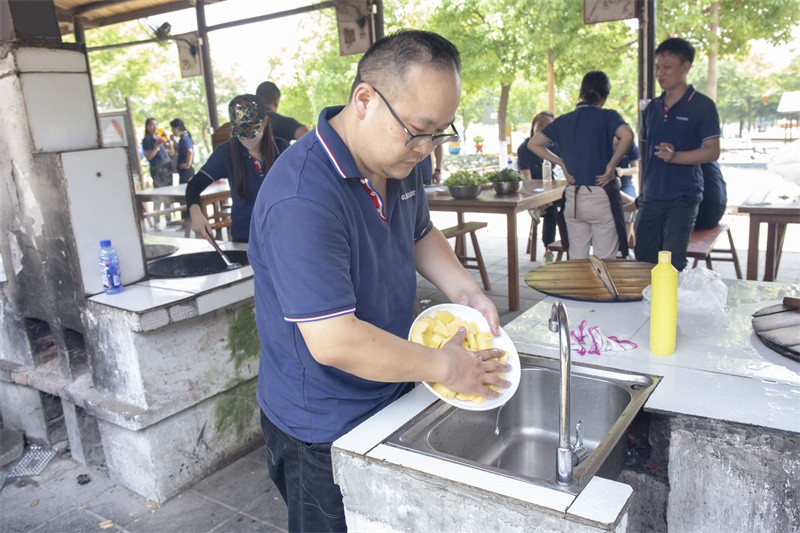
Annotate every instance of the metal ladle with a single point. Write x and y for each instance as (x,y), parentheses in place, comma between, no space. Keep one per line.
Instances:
(228,264)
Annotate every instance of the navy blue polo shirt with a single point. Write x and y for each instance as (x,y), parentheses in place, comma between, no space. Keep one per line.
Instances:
(685,125)
(626,182)
(527,160)
(148,143)
(323,243)
(714,189)
(220,166)
(585,137)
(184,145)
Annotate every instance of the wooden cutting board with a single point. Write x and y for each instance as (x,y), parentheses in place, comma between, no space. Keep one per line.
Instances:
(778,327)
(582,279)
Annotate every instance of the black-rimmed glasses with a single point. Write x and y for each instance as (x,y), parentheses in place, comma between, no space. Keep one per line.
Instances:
(415,140)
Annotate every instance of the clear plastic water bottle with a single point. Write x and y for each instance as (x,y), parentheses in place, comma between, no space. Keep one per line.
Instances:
(109,268)
(547,170)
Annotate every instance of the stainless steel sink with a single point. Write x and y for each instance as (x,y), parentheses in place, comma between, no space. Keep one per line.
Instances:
(520,439)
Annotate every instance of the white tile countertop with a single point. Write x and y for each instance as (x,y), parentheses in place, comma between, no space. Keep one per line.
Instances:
(726,374)
(207,293)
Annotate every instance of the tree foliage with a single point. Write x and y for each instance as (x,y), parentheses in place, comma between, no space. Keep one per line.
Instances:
(148,76)
(740,23)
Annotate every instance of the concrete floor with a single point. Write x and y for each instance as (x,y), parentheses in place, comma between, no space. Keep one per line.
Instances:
(241,497)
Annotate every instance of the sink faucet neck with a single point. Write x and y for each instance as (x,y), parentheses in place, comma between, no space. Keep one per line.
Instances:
(559,323)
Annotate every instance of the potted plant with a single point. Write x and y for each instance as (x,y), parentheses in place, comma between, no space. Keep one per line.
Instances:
(505,181)
(478,144)
(464,185)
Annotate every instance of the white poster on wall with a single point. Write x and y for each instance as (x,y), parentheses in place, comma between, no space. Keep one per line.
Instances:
(189,54)
(355,23)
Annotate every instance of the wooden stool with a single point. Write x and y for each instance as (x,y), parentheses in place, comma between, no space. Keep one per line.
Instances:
(557,248)
(476,262)
(701,246)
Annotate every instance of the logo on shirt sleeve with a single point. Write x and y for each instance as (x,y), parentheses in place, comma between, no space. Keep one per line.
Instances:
(409,194)
(685,119)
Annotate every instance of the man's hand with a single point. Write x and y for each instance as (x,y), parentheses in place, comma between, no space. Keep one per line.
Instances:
(472,372)
(665,152)
(482,303)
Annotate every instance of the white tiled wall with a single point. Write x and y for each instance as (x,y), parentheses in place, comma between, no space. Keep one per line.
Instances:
(101,206)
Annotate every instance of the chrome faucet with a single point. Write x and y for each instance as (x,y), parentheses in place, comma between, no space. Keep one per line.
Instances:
(564,459)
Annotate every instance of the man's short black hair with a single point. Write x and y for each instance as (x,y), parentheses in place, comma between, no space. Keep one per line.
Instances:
(394,54)
(268,92)
(678,47)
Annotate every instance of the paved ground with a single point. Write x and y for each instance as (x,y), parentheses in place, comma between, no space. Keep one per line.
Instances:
(240,497)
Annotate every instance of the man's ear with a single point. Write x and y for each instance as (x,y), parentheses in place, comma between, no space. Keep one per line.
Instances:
(362,96)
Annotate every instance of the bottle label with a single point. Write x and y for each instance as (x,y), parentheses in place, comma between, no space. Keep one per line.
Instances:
(110,273)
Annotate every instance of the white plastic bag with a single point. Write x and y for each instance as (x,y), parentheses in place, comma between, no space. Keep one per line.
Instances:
(701,301)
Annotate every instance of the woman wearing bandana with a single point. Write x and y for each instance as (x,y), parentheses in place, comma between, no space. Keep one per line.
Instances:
(244,161)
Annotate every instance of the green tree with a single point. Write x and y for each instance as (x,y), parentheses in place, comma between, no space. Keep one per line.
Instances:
(725,28)
(148,76)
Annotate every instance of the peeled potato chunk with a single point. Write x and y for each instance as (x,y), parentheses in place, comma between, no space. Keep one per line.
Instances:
(435,331)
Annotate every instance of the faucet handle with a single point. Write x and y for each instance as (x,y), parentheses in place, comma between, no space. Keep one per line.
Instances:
(579,452)
(579,434)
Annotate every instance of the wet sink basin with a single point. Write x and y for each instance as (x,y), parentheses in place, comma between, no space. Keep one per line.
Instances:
(520,439)
(194,264)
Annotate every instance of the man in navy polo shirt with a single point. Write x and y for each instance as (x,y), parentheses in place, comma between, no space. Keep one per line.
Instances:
(339,229)
(681,130)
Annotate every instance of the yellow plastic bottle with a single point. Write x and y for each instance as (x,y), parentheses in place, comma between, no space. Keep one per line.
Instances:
(663,305)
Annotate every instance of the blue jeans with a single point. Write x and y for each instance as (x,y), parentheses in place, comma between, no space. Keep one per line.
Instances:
(304,476)
(665,225)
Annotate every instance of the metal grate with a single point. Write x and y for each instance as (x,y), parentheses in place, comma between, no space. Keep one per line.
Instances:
(33,461)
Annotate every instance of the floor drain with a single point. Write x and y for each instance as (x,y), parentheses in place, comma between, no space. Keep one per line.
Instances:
(33,461)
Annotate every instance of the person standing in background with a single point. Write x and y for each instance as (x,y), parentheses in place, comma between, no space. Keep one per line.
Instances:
(185,150)
(244,161)
(155,147)
(715,197)
(530,166)
(681,131)
(431,167)
(627,169)
(282,126)
(593,206)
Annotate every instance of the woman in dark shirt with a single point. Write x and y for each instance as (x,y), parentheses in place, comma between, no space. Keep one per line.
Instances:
(244,161)
(593,210)
(185,150)
(530,166)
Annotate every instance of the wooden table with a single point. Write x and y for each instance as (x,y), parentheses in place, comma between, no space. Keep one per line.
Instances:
(535,193)
(777,207)
(213,196)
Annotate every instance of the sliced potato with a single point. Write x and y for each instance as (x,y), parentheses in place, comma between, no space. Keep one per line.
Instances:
(435,331)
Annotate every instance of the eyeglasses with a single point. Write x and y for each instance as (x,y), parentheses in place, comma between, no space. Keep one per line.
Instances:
(415,140)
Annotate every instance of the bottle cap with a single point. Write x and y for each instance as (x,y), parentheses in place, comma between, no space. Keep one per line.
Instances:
(105,242)
(665,256)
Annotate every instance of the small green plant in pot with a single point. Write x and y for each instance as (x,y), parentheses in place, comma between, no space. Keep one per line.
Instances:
(464,184)
(505,181)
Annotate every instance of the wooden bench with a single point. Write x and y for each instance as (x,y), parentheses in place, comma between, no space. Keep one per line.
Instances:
(458,233)
(153,216)
(702,246)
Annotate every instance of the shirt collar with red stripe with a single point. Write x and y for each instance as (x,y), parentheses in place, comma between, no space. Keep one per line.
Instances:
(341,158)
